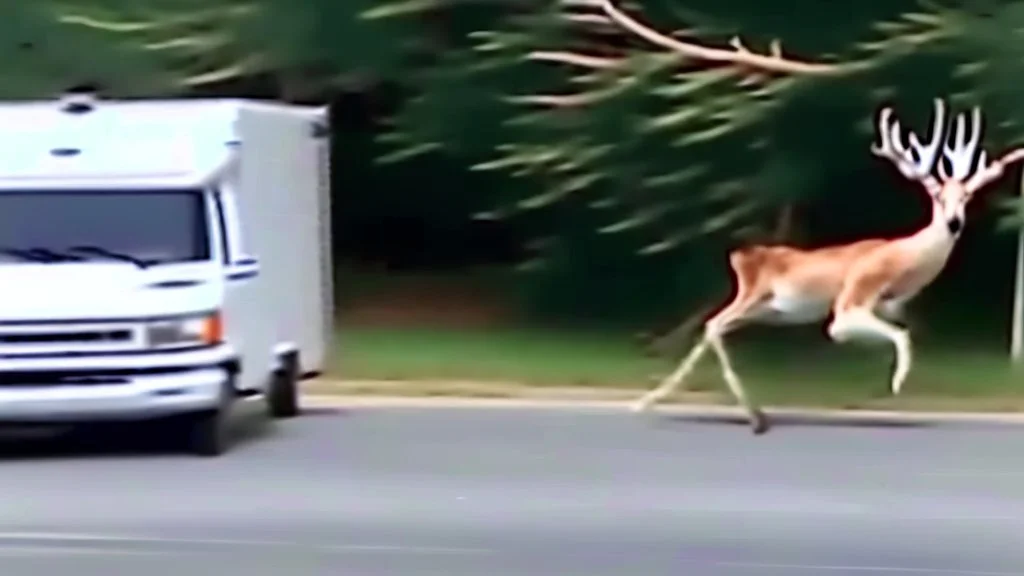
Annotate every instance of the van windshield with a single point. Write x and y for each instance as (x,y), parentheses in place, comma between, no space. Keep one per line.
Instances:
(144,227)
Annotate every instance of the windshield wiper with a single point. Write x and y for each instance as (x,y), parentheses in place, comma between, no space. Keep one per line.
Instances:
(25,254)
(100,251)
(37,254)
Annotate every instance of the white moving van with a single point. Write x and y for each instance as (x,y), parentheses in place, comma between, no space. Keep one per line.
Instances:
(160,259)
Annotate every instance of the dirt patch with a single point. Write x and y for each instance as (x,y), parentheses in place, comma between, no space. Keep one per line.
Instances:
(431,302)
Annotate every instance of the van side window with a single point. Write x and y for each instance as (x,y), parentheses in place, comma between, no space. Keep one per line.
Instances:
(232,248)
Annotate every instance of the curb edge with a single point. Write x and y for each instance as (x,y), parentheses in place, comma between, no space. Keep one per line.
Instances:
(692,410)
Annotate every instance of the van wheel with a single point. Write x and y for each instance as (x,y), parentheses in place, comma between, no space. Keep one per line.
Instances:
(283,393)
(207,433)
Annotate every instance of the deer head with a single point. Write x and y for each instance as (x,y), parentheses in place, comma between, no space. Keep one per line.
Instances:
(959,176)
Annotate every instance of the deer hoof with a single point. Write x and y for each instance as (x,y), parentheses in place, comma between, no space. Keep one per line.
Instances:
(640,406)
(759,423)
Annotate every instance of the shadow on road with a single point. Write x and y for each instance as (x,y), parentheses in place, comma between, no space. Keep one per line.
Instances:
(113,440)
(145,439)
(781,420)
(325,411)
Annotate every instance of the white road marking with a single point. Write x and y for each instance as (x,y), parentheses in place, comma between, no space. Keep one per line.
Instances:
(333,548)
(968,473)
(43,550)
(401,549)
(869,569)
(46,550)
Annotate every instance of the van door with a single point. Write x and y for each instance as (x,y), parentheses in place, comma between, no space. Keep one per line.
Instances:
(245,313)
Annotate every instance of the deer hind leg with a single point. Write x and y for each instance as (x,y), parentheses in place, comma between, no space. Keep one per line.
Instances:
(728,319)
(745,280)
(714,331)
(673,380)
(748,296)
(854,317)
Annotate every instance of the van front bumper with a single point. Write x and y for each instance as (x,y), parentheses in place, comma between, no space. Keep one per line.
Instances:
(128,386)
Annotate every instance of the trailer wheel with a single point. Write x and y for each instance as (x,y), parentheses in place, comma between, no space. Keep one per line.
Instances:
(283,392)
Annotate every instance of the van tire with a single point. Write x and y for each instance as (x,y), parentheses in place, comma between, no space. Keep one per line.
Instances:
(207,433)
(283,392)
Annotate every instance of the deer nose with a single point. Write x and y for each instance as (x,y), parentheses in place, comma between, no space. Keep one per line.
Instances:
(954,225)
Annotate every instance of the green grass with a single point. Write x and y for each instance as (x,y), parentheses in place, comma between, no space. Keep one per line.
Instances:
(796,370)
(524,356)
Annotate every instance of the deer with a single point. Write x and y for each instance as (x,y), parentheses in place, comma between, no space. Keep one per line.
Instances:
(861,286)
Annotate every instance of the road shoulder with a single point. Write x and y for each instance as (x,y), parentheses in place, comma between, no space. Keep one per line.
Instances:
(480,395)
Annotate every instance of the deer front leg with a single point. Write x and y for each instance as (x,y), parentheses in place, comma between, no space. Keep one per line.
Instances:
(862,323)
(759,423)
(853,314)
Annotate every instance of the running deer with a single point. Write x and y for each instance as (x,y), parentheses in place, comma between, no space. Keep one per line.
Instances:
(862,285)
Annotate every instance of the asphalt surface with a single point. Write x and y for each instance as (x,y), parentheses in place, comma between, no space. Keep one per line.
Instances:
(459,492)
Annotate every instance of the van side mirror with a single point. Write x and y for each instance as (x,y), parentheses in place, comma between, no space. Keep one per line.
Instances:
(244,268)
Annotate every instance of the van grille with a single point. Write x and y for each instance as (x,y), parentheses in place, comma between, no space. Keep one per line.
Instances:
(80,377)
(57,339)
(61,379)
(67,337)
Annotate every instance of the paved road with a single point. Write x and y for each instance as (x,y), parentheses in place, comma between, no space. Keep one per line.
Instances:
(516,492)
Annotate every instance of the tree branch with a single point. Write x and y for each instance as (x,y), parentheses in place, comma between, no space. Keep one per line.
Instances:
(590,19)
(739,55)
(575,59)
(559,101)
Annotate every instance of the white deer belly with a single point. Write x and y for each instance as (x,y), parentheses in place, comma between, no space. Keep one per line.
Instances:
(791,307)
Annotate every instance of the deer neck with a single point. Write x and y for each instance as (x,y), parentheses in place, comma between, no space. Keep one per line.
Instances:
(932,244)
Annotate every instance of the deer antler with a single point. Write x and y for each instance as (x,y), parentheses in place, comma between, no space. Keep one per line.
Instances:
(892,147)
(991,172)
(961,157)
(961,154)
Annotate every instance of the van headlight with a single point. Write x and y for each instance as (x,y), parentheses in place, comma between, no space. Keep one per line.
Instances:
(188,331)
